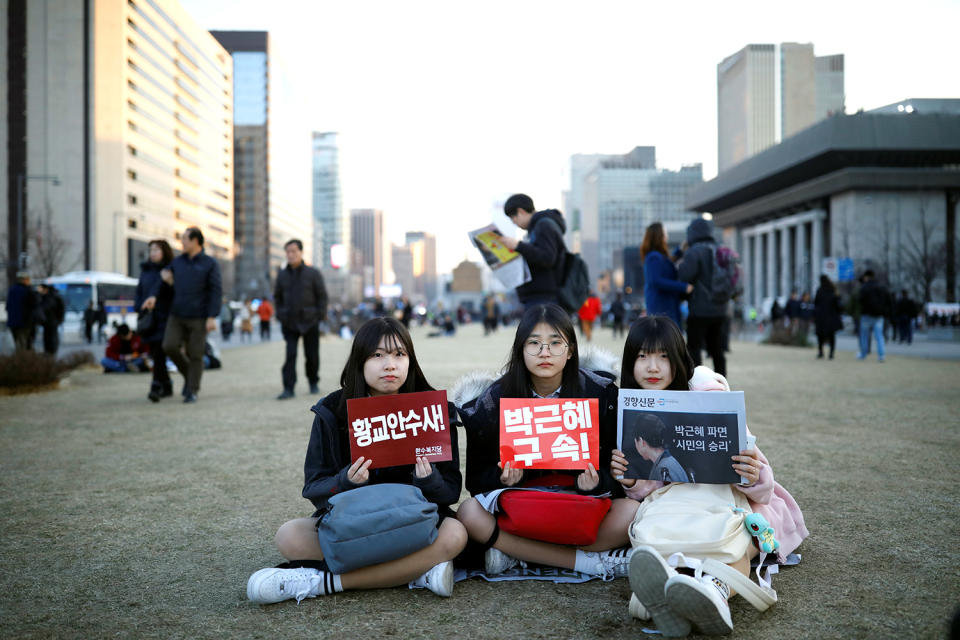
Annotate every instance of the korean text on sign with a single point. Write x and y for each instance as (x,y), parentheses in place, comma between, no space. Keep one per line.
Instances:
(561,433)
(396,429)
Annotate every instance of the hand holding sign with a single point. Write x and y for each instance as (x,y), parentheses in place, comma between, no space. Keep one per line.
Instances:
(510,477)
(359,471)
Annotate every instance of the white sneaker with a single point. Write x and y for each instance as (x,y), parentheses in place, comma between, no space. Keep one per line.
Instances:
(702,601)
(439,579)
(649,574)
(616,562)
(276,585)
(636,608)
(496,561)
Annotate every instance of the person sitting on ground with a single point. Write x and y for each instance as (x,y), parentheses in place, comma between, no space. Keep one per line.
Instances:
(381,362)
(124,352)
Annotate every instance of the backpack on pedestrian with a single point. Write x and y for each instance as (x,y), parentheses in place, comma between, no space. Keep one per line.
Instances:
(574,284)
(725,284)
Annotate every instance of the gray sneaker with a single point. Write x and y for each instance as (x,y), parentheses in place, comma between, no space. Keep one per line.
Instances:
(702,601)
(649,574)
(496,561)
(439,579)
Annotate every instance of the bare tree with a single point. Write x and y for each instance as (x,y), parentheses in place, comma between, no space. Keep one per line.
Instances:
(924,258)
(50,248)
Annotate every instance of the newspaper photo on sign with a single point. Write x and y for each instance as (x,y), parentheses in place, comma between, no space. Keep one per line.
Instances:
(507,265)
(550,433)
(396,429)
(681,436)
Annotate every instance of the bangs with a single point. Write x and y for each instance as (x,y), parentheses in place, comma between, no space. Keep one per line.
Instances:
(393,341)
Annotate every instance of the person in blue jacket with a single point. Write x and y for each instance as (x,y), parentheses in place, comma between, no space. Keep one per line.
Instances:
(662,291)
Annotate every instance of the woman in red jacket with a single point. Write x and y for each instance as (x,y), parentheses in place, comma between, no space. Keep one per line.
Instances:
(588,313)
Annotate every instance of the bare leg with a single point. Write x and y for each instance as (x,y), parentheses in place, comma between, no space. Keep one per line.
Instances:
(743,564)
(297,540)
(480,522)
(614,529)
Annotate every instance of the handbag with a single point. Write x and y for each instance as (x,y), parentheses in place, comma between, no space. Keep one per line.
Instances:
(146,320)
(552,516)
(704,521)
(373,524)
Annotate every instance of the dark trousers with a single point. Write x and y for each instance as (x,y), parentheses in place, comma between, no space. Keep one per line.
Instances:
(23,338)
(190,334)
(311,349)
(707,331)
(826,338)
(264,329)
(161,377)
(51,339)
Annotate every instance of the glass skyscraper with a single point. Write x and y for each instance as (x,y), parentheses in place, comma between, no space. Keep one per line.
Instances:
(329,225)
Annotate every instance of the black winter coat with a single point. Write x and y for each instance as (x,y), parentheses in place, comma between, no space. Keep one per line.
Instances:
(543,249)
(328,459)
(150,281)
(300,297)
(696,268)
(874,299)
(481,420)
(826,311)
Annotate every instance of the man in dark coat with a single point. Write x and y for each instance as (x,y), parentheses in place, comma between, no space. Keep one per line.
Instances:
(23,307)
(874,307)
(301,303)
(543,249)
(53,313)
(197,291)
(705,321)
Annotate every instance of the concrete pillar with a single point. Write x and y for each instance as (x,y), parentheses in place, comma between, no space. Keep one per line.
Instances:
(801,271)
(746,262)
(757,269)
(771,270)
(784,260)
(816,246)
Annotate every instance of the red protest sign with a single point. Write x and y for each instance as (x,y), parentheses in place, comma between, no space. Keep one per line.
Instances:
(550,433)
(393,430)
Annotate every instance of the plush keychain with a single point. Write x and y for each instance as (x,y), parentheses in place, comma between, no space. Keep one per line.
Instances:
(759,528)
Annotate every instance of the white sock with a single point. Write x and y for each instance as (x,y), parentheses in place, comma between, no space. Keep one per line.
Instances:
(335,582)
(587,562)
(328,583)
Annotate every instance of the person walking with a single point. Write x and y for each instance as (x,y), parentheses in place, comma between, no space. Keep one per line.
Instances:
(906,312)
(618,312)
(543,249)
(226,320)
(197,291)
(588,313)
(873,309)
(662,291)
(53,313)
(156,296)
(246,321)
(89,318)
(301,299)
(23,306)
(826,315)
(265,313)
(705,321)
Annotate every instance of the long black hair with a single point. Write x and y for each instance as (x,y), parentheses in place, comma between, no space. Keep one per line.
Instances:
(365,343)
(515,381)
(652,334)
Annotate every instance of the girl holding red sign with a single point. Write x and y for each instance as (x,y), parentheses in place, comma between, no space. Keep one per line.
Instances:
(655,357)
(544,363)
(381,362)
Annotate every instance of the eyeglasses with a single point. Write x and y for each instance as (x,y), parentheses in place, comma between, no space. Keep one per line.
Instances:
(554,347)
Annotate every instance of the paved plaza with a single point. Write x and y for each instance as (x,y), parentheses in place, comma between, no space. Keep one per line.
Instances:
(125,518)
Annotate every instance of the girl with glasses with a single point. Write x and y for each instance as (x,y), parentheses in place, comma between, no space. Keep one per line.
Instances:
(544,363)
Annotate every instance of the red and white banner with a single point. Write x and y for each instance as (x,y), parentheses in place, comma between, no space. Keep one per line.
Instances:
(550,433)
(393,430)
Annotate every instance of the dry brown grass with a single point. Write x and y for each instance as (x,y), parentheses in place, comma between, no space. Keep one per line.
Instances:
(124,518)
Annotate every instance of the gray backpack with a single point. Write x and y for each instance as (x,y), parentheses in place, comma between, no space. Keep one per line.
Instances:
(375,523)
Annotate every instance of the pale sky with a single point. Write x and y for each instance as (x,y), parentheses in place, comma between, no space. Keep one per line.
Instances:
(444,108)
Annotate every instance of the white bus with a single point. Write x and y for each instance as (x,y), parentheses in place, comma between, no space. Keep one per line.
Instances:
(116,292)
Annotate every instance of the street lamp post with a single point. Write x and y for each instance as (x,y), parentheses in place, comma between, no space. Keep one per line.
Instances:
(23,259)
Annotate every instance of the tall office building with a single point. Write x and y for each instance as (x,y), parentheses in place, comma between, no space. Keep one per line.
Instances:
(424,248)
(330,226)
(622,195)
(366,248)
(116,126)
(266,217)
(745,104)
(811,88)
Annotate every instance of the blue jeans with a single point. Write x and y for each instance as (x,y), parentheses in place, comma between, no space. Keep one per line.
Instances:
(870,324)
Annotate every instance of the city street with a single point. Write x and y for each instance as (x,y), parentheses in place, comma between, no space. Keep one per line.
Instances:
(126,518)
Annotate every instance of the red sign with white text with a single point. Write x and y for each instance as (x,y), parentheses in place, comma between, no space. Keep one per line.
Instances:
(393,430)
(550,433)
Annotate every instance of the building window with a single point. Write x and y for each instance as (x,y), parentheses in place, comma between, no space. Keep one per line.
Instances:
(131,150)
(131,198)
(131,174)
